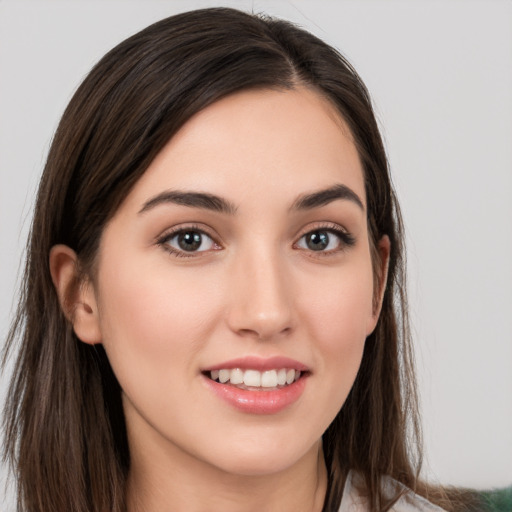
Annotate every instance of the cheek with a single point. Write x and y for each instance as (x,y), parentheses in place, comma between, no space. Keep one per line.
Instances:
(339,312)
(152,318)
(340,306)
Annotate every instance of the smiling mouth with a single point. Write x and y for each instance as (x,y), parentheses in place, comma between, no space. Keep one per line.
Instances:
(255,380)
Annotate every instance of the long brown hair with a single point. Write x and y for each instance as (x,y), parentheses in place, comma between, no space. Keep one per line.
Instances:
(64,424)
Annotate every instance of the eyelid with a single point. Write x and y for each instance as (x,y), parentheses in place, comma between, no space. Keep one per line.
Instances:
(163,239)
(346,238)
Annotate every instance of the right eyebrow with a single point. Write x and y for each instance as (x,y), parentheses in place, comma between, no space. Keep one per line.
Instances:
(323,197)
(192,199)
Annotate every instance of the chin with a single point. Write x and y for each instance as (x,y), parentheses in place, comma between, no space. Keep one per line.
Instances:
(258,460)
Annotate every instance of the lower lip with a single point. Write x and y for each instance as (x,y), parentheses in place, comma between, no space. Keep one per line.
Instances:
(258,402)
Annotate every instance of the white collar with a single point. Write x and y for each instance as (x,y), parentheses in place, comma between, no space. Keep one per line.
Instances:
(408,502)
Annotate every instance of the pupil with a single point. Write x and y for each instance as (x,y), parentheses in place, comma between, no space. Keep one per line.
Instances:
(318,240)
(189,241)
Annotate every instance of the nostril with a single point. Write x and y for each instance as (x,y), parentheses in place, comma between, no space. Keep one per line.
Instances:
(265,333)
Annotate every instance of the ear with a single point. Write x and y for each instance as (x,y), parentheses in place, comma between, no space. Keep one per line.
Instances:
(381,257)
(76,296)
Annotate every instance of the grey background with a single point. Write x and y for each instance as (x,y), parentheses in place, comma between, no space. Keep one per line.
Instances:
(440,73)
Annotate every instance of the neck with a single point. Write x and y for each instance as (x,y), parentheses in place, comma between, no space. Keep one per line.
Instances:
(162,481)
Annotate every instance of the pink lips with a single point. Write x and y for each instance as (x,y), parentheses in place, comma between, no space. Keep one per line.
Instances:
(258,401)
(260,364)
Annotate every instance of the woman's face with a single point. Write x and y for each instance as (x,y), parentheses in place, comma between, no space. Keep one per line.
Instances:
(242,254)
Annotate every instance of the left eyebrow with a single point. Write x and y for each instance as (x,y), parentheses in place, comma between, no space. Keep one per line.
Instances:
(326,196)
(191,199)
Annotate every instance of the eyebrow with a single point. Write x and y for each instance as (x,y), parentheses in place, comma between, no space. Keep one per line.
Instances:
(191,199)
(326,196)
(215,203)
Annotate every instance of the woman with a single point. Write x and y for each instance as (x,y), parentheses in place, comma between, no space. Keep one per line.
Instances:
(213,314)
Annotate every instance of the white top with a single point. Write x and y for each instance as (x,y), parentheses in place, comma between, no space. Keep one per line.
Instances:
(408,502)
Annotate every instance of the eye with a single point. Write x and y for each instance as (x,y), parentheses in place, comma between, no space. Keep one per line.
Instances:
(325,240)
(187,241)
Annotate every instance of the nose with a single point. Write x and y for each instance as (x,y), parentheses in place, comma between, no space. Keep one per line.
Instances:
(261,297)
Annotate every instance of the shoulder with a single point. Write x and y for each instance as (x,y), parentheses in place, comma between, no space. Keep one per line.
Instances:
(352,501)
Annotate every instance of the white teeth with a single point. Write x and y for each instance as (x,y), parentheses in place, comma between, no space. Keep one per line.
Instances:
(255,379)
(269,379)
(237,376)
(252,378)
(224,375)
(281,377)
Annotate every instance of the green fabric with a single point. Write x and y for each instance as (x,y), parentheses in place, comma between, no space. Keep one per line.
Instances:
(498,500)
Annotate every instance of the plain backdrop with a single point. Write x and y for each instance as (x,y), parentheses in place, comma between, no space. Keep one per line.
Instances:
(440,73)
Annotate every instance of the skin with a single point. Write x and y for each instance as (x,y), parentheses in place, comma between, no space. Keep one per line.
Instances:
(256,289)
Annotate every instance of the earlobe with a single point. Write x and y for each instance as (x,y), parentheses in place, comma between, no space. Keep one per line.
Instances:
(76,297)
(383,251)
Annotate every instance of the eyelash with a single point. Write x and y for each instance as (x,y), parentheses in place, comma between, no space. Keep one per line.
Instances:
(164,240)
(346,240)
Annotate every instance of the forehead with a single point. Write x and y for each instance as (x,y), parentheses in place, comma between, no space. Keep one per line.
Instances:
(255,143)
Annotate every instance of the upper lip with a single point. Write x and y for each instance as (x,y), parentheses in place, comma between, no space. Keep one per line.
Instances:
(259,363)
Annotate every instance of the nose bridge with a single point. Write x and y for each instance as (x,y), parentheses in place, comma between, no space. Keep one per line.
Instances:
(261,303)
